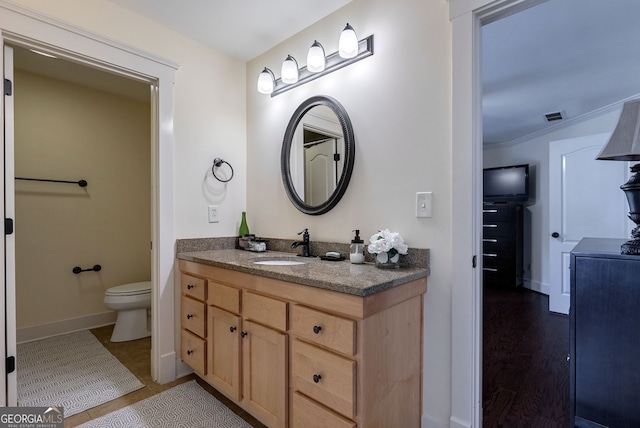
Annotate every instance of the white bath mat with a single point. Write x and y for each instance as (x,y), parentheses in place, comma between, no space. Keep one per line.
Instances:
(73,371)
(186,405)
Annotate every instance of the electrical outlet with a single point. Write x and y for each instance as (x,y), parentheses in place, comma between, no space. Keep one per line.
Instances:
(214,214)
(423,204)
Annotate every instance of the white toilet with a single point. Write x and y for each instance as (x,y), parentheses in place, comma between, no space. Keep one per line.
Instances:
(132,302)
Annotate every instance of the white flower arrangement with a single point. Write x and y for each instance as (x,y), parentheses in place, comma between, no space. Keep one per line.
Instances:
(387,246)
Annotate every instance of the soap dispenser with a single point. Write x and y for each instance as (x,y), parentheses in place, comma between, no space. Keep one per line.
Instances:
(356,251)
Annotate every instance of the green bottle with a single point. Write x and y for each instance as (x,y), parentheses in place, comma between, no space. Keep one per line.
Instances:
(244,229)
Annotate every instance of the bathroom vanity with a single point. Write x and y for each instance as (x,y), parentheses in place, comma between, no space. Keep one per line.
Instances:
(319,344)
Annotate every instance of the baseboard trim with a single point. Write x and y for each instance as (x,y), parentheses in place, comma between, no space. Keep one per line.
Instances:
(36,332)
(456,423)
(167,367)
(429,422)
(182,369)
(536,286)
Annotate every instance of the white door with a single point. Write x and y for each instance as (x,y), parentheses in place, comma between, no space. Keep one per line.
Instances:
(585,200)
(8,299)
(319,171)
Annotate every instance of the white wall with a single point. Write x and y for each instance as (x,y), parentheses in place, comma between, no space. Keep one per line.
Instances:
(209,110)
(399,104)
(535,152)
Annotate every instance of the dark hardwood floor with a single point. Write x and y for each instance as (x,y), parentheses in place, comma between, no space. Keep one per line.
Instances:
(525,368)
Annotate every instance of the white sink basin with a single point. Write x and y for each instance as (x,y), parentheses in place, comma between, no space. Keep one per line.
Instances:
(279,262)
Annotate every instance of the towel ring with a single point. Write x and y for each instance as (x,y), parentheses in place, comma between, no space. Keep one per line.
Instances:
(217,163)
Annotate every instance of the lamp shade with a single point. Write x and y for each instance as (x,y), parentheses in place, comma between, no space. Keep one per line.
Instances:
(348,43)
(289,70)
(315,58)
(624,143)
(265,81)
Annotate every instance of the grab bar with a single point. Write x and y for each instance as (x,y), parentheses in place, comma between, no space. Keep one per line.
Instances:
(95,268)
(81,183)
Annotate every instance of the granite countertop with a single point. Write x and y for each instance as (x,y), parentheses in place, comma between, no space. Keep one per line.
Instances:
(342,276)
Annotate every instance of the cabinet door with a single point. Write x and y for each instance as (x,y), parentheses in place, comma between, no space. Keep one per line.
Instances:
(265,362)
(223,351)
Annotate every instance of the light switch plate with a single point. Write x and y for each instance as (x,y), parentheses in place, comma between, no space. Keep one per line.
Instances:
(214,214)
(423,204)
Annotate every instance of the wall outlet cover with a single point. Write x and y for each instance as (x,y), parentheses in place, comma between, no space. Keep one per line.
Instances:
(214,214)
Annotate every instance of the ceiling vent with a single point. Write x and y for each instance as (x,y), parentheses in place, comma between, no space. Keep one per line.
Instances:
(551,117)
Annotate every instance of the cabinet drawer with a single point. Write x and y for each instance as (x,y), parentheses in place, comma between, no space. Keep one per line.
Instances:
(265,310)
(496,243)
(309,414)
(324,329)
(224,297)
(324,376)
(193,351)
(193,316)
(495,228)
(491,213)
(194,287)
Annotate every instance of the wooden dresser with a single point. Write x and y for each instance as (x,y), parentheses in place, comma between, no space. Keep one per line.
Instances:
(604,335)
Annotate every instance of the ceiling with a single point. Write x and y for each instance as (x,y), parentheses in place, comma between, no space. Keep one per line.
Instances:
(241,28)
(568,56)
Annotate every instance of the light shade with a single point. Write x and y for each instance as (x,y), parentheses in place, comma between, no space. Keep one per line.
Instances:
(624,143)
(289,71)
(266,81)
(315,58)
(348,43)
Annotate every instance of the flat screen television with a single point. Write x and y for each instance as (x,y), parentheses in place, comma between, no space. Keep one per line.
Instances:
(506,184)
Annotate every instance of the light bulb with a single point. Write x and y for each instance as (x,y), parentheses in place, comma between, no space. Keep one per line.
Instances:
(348,43)
(265,81)
(289,70)
(315,58)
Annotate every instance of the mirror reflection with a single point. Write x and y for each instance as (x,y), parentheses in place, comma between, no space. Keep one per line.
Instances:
(317,155)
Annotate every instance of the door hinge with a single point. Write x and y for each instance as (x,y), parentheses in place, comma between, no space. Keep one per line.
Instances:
(8,87)
(336,157)
(474,262)
(8,226)
(11,364)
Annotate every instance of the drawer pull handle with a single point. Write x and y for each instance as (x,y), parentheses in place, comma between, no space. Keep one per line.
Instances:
(489,211)
(189,316)
(244,334)
(489,225)
(317,329)
(189,352)
(232,329)
(189,286)
(489,240)
(316,378)
(490,269)
(489,255)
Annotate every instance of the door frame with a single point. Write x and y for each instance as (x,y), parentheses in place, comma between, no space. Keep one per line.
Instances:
(27,28)
(467,18)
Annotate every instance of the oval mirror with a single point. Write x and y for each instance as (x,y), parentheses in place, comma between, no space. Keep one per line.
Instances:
(317,156)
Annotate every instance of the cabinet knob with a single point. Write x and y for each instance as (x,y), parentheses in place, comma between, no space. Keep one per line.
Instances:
(316,378)
(555,235)
(244,334)
(189,316)
(189,352)
(232,329)
(189,286)
(317,329)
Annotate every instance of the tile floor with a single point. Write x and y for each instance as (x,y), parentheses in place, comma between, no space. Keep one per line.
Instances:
(136,356)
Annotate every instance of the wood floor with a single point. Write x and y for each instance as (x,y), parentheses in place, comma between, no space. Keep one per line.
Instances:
(136,356)
(525,368)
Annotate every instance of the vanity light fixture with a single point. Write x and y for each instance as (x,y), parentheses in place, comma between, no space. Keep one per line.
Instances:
(315,58)
(289,70)
(348,43)
(266,81)
(317,63)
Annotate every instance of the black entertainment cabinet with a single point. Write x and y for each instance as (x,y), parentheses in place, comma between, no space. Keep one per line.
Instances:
(502,235)
(604,335)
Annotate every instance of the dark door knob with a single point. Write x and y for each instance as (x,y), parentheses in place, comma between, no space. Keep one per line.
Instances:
(244,334)
(316,378)
(555,235)
(317,329)
(232,329)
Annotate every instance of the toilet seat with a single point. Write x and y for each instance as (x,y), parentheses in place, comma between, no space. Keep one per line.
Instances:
(133,289)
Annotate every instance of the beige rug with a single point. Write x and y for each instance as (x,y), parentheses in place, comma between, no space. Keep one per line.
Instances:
(73,371)
(183,406)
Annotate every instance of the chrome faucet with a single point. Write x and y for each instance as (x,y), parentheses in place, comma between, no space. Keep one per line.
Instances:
(304,243)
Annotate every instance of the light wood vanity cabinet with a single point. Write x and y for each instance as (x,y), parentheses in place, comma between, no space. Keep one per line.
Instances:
(299,356)
(193,310)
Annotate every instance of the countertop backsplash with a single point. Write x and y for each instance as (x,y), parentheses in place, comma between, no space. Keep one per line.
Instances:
(416,257)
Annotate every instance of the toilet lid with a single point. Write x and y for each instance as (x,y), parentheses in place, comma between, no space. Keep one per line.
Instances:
(132,289)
